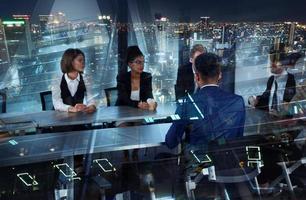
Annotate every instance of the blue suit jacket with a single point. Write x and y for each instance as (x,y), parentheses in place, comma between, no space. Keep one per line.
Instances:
(220,115)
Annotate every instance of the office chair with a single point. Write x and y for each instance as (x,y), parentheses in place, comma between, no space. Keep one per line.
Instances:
(46,100)
(3,98)
(111,96)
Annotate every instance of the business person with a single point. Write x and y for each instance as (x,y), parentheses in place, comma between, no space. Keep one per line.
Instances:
(222,113)
(280,91)
(73,92)
(185,78)
(218,115)
(135,86)
(281,85)
(135,89)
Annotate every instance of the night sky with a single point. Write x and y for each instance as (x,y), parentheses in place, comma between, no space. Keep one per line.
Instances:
(218,10)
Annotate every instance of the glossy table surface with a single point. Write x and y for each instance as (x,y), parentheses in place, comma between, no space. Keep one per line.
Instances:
(46,147)
(103,114)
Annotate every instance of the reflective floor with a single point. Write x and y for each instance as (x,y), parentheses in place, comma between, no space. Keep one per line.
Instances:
(154,173)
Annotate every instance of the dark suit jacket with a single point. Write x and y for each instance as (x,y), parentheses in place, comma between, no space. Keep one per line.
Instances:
(184,81)
(290,90)
(224,117)
(124,89)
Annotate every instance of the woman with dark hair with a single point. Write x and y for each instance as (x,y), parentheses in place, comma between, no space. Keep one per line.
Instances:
(70,93)
(135,89)
(135,86)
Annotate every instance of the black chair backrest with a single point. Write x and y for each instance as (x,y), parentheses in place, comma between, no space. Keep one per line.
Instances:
(3,101)
(111,96)
(46,100)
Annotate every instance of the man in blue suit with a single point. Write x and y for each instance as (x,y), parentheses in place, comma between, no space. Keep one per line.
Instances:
(211,114)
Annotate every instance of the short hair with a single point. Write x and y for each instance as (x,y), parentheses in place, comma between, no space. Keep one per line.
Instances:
(132,52)
(195,48)
(278,53)
(68,57)
(208,66)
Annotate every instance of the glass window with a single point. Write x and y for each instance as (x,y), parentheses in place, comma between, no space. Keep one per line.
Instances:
(191,137)
(32,44)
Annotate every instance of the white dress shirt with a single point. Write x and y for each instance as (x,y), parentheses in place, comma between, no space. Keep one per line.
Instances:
(73,87)
(214,85)
(135,95)
(281,86)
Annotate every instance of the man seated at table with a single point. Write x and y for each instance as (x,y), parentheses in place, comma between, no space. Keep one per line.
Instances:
(281,99)
(185,81)
(222,113)
(210,116)
(281,85)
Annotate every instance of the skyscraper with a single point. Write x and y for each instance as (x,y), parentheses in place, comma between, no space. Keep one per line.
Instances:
(18,38)
(161,33)
(291,34)
(43,22)
(4,55)
(205,21)
(184,38)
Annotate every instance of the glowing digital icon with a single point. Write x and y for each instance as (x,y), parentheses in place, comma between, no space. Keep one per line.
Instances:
(66,170)
(200,158)
(27,179)
(149,120)
(105,165)
(254,156)
(253,153)
(13,142)
(175,117)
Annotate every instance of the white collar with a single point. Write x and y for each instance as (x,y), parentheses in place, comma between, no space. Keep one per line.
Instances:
(282,76)
(70,80)
(284,73)
(209,85)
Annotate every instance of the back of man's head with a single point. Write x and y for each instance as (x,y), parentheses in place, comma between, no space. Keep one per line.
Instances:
(208,66)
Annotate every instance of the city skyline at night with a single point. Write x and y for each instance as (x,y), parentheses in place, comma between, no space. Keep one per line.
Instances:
(34,58)
(220,10)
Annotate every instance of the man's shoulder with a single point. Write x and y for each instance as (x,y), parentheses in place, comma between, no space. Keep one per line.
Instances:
(290,74)
(220,94)
(235,97)
(291,77)
(185,66)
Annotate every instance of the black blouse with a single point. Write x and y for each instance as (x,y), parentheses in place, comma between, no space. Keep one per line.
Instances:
(124,89)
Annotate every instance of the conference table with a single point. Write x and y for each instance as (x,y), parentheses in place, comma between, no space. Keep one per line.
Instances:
(54,146)
(26,150)
(48,146)
(47,119)
(256,120)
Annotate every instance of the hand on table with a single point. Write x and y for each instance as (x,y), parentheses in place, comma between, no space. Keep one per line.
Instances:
(82,108)
(90,109)
(143,105)
(253,101)
(73,109)
(152,106)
